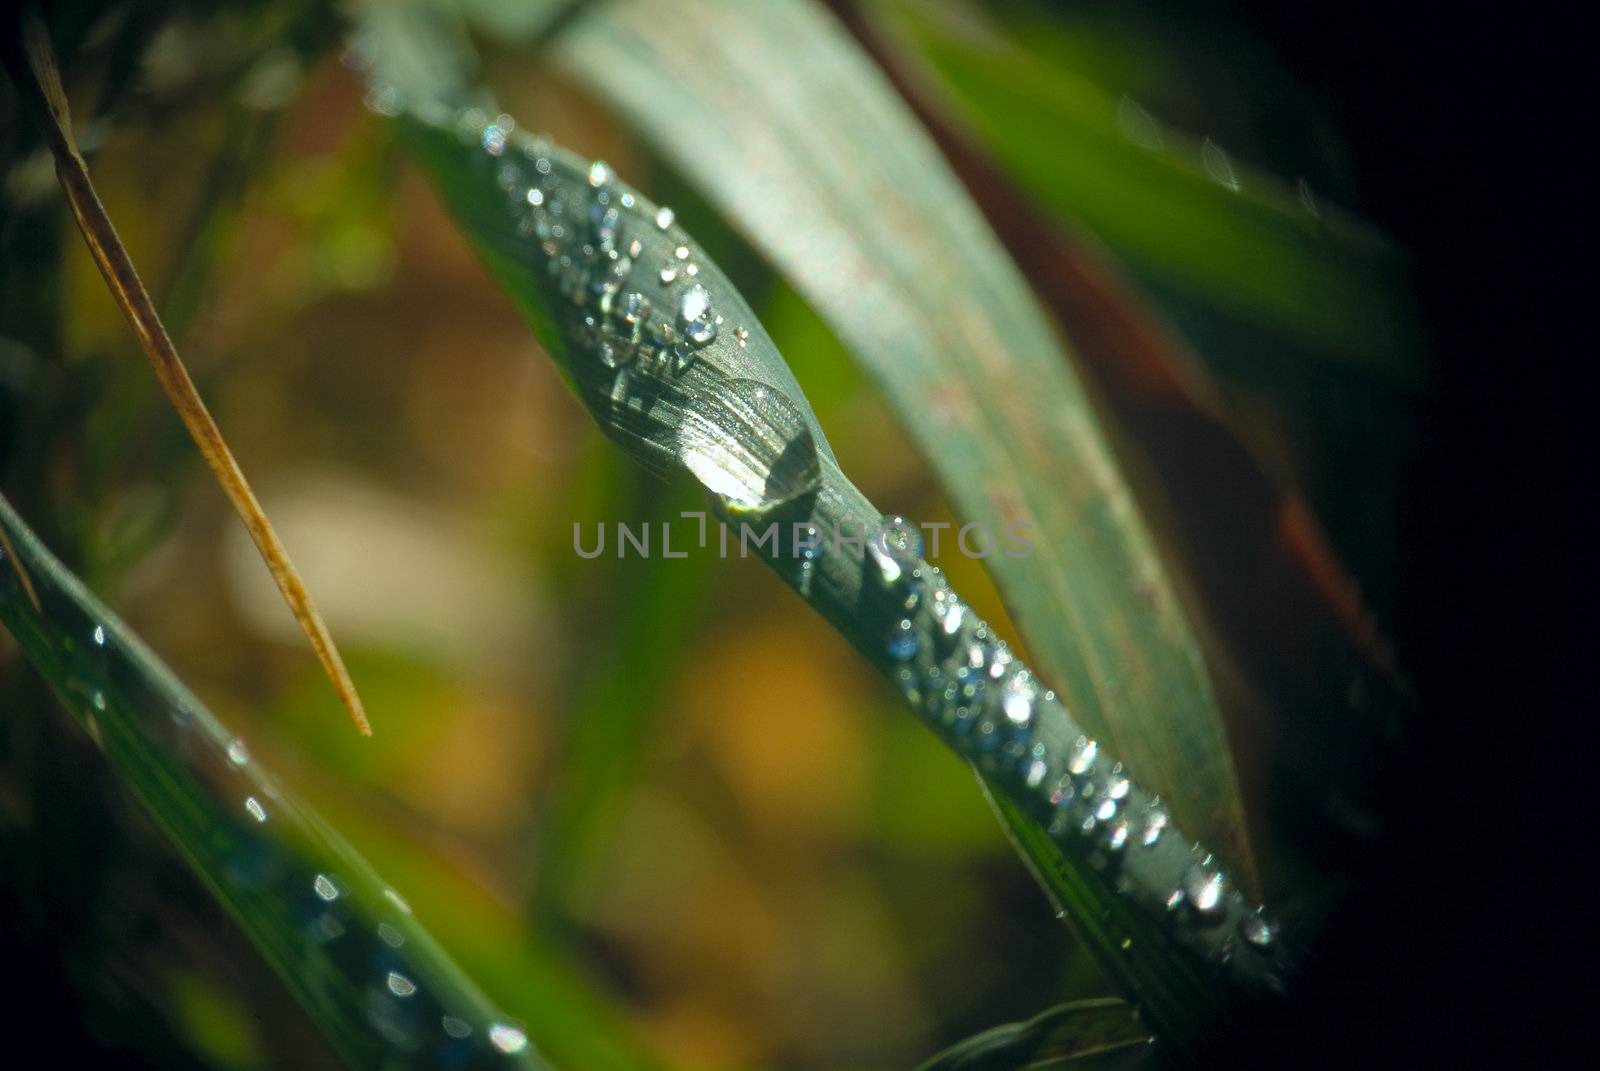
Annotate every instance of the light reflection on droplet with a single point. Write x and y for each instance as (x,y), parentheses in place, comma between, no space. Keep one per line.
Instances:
(325,888)
(1218,165)
(1138,125)
(664,217)
(400,985)
(508,1039)
(1203,886)
(1155,823)
(747,444)
(253,805)
(1084,753)
(238,753)
(99,635)
(390,936)
(1257,930)
(397,900)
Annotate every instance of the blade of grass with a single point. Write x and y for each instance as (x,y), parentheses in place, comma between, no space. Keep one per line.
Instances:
(706,391)
(344,942)
(1175,205)
(122,278)
(786,125)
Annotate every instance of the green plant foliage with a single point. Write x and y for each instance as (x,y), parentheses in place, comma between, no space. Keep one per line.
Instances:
(672,363)
(787,126)
(342,940)
(1178,207)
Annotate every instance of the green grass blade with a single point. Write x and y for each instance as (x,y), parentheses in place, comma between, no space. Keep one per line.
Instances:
(345,943)
(1175,206)
(670,360)
(784,124)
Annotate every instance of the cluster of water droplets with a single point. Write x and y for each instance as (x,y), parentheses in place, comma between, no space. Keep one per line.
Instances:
(992,709)
(349,942)
(590,231)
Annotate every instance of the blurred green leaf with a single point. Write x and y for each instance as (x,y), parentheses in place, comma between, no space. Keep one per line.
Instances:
(1180,209)
(1050,1039)
(343,941)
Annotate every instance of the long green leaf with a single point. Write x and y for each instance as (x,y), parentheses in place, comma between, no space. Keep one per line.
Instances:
(1177,206)
(674,366)
(345,943)
(789,128)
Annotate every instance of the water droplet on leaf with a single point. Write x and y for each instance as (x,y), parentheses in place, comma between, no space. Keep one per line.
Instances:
(749,445)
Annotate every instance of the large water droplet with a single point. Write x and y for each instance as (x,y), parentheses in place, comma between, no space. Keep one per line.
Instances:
(749,445)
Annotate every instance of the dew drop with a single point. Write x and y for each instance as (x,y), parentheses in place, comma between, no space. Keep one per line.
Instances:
(397,900)
(1218,165)
(635,309)
(1106,811)
(253,805)
(1203,886)
(400,985)
(599,174)
(669,273)
(535,196)
(1155,823)
(902,643)
(681,253)
(325,888)
(1018,699)
(1257,931)
(390,936)
(1037,770)
(1117,837)
(508,1039)
(1084,754)
(694,304)
(1117,787)
(664,217)
(896,548)
(749,445)
(99,635)
(456,1028)
(238,753)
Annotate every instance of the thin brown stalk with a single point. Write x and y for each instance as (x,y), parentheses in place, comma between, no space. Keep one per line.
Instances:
(10,553)
(134,300)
